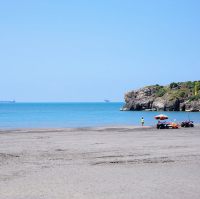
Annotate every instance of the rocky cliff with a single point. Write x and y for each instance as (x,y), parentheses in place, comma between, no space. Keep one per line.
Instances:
(174,97)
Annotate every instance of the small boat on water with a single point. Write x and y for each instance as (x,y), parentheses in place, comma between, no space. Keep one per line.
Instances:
(106,100)
(9,101)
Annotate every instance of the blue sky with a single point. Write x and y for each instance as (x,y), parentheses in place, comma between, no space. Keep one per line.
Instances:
(84,51)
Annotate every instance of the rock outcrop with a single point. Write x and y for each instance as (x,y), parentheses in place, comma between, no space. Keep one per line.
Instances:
(176,97)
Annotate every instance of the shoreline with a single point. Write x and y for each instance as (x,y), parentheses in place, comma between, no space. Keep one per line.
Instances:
(113,127)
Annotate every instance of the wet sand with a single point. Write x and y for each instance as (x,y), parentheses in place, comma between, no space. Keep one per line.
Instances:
(103,162)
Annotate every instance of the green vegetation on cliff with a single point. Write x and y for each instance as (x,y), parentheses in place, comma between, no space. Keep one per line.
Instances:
(161,91)
(180,90)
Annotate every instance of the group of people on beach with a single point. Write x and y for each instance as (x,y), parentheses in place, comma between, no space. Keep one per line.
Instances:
(143,121)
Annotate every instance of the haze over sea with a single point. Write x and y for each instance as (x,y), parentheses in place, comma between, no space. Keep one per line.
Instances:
(65,115)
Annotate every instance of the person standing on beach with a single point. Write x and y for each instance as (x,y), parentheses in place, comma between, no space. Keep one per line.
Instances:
(142,121)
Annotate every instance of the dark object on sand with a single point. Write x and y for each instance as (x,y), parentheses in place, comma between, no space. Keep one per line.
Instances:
(187,124)
(163,125)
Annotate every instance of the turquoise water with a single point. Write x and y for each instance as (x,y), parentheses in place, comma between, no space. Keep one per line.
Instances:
(42,115)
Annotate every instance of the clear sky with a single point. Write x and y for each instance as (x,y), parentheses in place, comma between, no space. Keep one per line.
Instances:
(86,50)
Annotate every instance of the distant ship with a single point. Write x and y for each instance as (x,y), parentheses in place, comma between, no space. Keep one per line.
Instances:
(107,100)
(9,101)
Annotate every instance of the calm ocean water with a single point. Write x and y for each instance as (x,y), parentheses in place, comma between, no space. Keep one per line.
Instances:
(42,115)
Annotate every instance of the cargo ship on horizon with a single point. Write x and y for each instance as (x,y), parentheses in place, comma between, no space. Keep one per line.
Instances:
(106,100)
(8,101)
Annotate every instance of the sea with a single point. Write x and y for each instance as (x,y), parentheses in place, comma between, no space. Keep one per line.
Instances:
(71,115)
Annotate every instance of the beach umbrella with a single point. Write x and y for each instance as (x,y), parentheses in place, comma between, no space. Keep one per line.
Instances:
(161,117)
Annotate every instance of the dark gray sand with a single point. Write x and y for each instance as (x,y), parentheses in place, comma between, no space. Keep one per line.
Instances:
(105,162)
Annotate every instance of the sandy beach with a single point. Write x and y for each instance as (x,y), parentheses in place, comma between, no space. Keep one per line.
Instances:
(102,162)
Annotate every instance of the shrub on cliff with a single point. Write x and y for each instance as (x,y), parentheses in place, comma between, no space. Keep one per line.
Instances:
(182,94)
(161,92)
(173,85)
(198,85)
(194,97)
(191,84)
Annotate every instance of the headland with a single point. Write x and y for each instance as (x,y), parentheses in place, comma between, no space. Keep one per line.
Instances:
(174,97)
